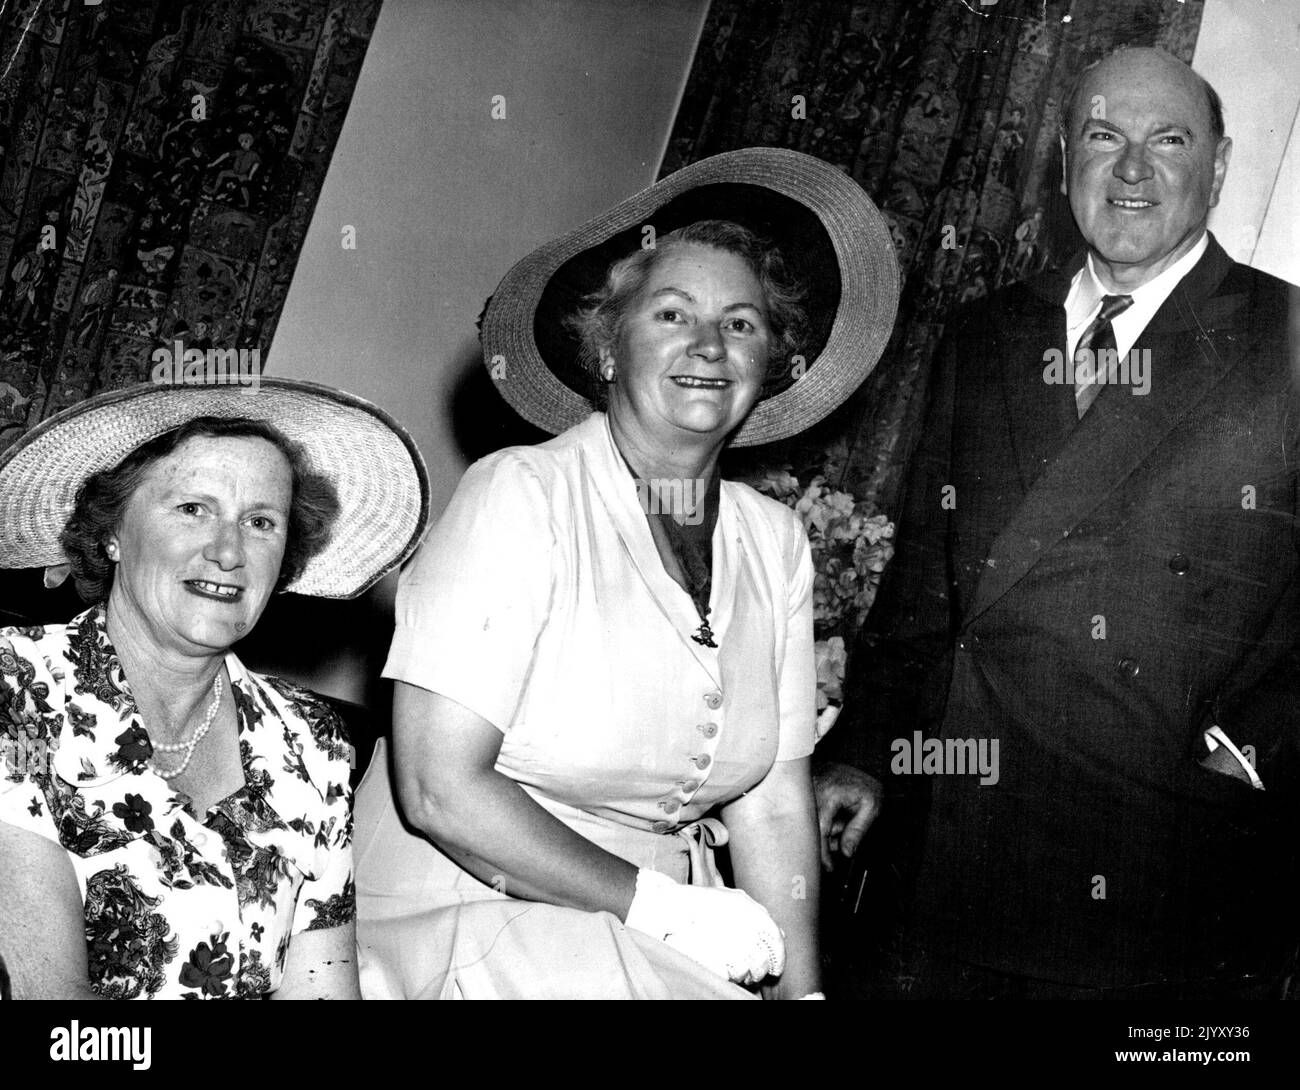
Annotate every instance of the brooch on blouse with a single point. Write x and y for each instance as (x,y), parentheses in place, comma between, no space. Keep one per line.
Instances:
(704,637)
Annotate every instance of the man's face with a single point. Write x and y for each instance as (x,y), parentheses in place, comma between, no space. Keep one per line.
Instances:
(1142,166)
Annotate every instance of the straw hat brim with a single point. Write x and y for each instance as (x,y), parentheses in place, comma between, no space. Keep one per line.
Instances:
(859,333)
(377,472)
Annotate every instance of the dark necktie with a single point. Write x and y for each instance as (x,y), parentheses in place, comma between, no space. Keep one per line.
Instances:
(1097,339)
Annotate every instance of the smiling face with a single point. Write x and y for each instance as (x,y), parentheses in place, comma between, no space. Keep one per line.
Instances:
(693,347)
(200,543)
(1142,178)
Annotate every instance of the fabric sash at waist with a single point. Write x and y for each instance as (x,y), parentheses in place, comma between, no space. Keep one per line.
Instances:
(685,855)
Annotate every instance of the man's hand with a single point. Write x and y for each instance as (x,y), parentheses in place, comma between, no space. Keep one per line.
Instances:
(848,801)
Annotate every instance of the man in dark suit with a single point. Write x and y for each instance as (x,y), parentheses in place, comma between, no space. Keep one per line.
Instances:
(1081,680)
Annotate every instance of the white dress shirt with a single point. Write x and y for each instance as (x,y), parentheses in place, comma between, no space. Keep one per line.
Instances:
(1084,300)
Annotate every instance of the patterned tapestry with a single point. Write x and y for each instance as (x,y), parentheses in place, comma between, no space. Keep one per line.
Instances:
(946,112)
(159,163)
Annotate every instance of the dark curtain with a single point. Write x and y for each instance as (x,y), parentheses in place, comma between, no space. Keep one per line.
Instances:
(946,113)
(159,164)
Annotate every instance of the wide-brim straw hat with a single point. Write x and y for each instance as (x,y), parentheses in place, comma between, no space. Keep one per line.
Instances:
(831,235)
(377,472)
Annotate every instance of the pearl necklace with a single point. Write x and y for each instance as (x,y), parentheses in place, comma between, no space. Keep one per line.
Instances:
(188,747)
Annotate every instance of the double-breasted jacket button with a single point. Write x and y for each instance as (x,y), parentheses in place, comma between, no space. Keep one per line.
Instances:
(689,787)
(702,761)
(713,699)
(670,806)
(709,730)
(1128,668)
(661,826)
(1179,564)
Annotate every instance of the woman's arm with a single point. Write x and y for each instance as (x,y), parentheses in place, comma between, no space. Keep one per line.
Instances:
(321,965)
(444,758)
(774,855)
(42,921)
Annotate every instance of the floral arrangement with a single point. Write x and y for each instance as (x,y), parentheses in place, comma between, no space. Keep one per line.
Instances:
(851,544)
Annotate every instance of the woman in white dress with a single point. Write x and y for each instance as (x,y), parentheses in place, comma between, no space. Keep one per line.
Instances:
(603,657)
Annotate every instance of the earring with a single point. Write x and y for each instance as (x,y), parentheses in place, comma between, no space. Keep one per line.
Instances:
(608,372)
(110,550)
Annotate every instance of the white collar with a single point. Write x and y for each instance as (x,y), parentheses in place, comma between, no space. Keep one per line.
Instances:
(1086,291)
(1159,288)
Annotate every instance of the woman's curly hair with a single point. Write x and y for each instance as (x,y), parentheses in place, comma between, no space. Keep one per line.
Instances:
(103,497)
(598,323)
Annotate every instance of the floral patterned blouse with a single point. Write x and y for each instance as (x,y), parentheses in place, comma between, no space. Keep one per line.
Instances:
(175,906)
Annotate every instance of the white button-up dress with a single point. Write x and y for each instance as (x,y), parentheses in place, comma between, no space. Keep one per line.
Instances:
(539,601)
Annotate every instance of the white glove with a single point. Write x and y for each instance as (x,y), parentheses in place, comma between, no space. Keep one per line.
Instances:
(725,930)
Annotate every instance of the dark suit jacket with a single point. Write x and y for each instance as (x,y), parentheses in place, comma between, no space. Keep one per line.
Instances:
(1105,855)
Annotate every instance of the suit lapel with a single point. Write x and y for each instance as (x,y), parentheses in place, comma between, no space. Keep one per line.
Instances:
(1121,430)
(1040,415)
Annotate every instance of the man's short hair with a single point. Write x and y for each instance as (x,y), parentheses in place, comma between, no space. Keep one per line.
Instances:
(1212,99)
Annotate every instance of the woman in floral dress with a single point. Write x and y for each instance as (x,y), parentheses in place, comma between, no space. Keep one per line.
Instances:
(173,825)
